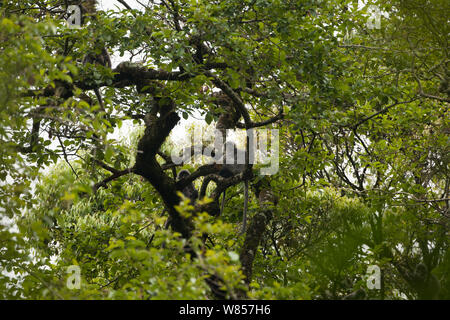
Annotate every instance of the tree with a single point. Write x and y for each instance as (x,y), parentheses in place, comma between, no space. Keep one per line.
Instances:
(364,165)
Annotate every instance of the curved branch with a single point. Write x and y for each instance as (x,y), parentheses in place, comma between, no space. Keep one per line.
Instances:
(114,176)
(239,105)
(279,116)
(125,4)
(200,172)
(382,111)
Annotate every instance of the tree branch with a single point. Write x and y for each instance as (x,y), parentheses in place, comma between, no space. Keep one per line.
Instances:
(116,175)
(237,102)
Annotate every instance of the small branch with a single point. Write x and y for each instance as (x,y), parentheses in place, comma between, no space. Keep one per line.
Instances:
(358,46)
(426,95)
(125,4)
(215,65)
(116,175)
(66,158)
(274,242)
(110,282)
(386,109)
(431,200)
(262,123)
(169,163)
(176,16)
(106,167)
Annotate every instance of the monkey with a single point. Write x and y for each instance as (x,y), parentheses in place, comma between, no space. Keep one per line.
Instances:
(189,191)
(359,294)
(232,168)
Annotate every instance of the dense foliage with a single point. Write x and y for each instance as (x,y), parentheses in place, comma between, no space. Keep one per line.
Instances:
(361,103)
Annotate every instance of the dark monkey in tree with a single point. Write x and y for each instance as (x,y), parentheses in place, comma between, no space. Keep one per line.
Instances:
(234,164)
(189,191)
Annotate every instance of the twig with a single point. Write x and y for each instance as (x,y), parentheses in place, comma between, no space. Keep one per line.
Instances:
(125,4)
(386,109)
(112,177)
(66,158)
